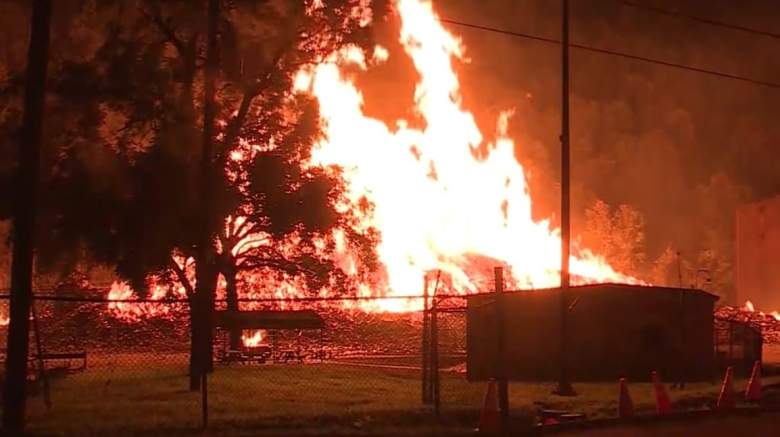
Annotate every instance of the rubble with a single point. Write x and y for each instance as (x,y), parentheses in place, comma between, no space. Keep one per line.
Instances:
(767,324)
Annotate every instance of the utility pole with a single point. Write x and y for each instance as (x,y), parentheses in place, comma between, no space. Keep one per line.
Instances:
(564,386)
(501,368)
(23,232)
(426,397)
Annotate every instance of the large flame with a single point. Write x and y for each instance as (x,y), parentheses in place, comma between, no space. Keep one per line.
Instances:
(437,206)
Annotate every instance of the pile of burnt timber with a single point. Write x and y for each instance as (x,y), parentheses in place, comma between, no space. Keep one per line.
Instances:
(767,324)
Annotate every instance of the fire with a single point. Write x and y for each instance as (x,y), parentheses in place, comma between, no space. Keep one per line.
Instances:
(437,206)
(133,312)
(749,307)
(253,338)
(443,198)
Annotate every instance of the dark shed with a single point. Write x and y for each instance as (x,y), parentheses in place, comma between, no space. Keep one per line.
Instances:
(615,330)
(305,319)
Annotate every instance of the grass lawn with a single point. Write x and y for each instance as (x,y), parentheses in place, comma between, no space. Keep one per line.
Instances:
(143,393)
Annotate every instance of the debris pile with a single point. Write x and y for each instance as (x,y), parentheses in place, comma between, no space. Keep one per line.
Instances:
(767,323)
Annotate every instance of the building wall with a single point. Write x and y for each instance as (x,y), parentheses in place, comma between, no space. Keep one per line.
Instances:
(615,331)
(758,254)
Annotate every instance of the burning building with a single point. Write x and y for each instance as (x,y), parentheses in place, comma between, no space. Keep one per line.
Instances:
(614,330)
(757,245)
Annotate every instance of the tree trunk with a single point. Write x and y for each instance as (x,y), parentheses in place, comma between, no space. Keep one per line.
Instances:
(201,320)
(231,295)
(206,273)
(194,342)
(15,390)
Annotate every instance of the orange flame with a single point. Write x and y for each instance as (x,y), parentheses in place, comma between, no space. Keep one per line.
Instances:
(752,308)
(133,312)
(436,205)
(253,338)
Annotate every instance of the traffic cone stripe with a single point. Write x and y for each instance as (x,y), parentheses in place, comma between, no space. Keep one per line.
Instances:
(662,403)
(489,419)
(625,405)
(753,392)
(726,400)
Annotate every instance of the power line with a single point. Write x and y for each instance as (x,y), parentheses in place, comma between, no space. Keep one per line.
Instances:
(613,53)
(670,13)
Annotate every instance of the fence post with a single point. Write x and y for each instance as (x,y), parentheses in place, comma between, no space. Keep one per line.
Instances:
(204,399)
(39,352)
(684,340)
(425,355)
(500,364)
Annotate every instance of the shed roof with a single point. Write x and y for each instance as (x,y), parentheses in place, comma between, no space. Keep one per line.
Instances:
(611,285)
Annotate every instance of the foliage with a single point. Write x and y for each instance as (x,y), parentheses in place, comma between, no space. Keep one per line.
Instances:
(618,235)
(124,127)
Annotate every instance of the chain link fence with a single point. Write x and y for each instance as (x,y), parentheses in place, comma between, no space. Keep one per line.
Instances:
(102,367)
(337,364)
(92,371)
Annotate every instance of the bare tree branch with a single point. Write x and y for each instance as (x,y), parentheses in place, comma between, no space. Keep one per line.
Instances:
(250,92)
(164,26)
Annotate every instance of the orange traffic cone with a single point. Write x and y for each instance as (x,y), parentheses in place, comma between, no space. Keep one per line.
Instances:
(625,406)
(489,419)
(726,399)
(753,391)
(662,403)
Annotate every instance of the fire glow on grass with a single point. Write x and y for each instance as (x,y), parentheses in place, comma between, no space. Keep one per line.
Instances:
(436,206)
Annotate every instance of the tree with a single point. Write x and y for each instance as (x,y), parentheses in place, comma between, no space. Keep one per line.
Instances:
(665,271)
(617,235)
(73,124)
(289,222)
(151,84)
(14,394)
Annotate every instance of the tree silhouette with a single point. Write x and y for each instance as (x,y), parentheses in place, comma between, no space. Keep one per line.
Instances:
(288,223)
(25,206)
(144,181)
(618,235)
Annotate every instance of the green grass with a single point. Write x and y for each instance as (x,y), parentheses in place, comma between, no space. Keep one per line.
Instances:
(142,393)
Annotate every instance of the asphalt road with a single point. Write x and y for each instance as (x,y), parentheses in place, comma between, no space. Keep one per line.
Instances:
(766,424)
